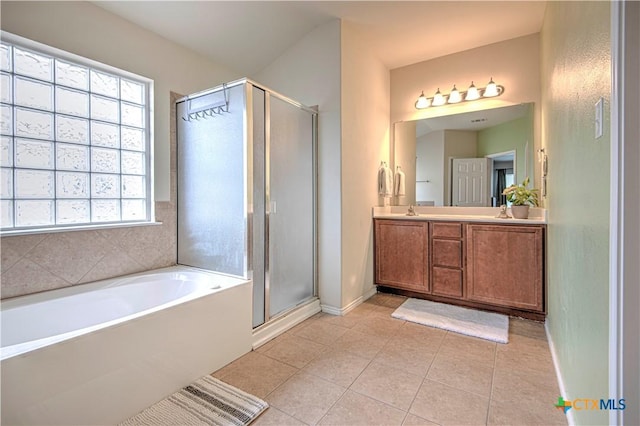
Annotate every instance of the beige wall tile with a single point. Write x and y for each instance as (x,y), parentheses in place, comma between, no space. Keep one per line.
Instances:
(28,277)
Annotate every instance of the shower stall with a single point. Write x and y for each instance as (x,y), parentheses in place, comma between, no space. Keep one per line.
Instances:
(247,192)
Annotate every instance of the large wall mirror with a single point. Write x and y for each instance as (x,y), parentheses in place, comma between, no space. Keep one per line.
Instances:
(465,159)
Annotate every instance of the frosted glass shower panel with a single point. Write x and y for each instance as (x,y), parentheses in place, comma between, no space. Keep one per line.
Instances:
(291,215)
(212,185)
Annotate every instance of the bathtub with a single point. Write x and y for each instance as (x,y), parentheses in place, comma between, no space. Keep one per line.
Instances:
(101,352)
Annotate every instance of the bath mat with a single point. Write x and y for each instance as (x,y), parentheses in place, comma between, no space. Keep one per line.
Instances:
(471,322)
(207,401)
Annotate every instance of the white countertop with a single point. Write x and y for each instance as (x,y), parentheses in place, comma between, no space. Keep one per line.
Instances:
(537,216)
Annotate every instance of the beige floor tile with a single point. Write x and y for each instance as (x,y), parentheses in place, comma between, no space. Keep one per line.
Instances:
(422,333)
(379,326)
(526,360)
(388,384)
(356,409)
(445,405)
(275,417)
(361,344)
(527,328)
(501,413)
(388,300)
(468,348)
(514,385)
(321,332)
(348,321)
(295,351)
(256,374)
(339,367)
(413,420)
(408,354)
(365,308)
(306,397)
(462,374)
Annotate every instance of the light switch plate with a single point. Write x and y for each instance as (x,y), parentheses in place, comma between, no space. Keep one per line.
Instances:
(599,117)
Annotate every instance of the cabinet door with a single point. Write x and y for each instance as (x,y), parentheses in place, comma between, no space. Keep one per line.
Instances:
(446,282)
(401,251)
(505,265)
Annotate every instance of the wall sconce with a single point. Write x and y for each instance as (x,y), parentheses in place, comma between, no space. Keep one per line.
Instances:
(471,94)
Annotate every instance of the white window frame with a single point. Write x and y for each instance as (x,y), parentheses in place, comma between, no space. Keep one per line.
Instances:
(26,44)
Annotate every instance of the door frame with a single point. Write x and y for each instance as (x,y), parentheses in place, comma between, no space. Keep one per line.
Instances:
(624,247)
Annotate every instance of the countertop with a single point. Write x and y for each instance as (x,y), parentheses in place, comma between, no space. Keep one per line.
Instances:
(537,216)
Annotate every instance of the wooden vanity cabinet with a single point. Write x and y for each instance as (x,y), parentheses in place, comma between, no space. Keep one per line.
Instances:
(505,265)
(446,259)
(402,254)
(489,266)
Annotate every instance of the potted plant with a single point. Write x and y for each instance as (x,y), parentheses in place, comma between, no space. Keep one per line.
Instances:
(521,198)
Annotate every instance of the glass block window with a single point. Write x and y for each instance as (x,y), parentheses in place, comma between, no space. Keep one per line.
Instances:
(75,142)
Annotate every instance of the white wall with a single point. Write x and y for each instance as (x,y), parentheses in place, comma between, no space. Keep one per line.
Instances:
(332,67)
(513,63)
(309,72)
(90,31)
(365,142)
(430,167)
(406,158)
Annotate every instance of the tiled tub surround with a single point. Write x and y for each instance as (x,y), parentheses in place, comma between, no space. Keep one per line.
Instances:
(132,341)
(40,262)
(367,368)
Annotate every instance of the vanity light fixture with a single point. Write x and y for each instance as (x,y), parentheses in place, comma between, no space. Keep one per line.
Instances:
(471,94)
(438,99)
(454,96)
(422,102)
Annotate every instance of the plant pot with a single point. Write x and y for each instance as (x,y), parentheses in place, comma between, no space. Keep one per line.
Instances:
(520,212)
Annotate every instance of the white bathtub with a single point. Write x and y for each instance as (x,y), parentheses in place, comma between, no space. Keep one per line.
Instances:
(101,352)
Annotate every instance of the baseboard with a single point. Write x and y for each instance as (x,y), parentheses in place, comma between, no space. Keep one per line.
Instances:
(556,365)
(332,310)
(273,329)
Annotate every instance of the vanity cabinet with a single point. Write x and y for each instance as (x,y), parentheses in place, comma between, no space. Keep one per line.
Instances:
(446,259)
(505,265)
(489,266)
(402,254)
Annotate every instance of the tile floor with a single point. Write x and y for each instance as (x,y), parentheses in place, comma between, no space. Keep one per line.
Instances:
(367,368)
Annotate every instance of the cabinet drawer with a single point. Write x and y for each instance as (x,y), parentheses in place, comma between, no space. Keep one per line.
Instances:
(447,282)
(446,230)
(447,253)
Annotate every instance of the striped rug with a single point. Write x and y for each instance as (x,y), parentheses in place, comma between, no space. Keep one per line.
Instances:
(208,401)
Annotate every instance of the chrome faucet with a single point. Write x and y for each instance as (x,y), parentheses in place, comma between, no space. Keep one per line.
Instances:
(503,213)
(411,211)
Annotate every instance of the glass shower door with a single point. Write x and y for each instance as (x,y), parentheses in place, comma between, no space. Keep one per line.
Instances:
(212,183)
(290,266)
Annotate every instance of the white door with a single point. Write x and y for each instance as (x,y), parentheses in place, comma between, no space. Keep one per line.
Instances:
(471,182)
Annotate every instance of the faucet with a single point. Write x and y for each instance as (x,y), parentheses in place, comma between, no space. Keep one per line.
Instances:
(503,213)
(411,211)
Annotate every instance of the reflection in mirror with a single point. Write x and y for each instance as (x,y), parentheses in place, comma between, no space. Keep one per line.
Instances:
(465,159)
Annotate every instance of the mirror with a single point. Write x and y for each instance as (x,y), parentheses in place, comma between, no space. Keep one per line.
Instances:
(464,159)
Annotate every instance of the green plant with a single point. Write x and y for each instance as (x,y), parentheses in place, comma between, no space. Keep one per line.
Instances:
(520,195)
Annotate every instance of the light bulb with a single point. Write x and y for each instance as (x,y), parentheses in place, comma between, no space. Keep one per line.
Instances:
(454,96)
(422,102)
(472,93)
(491,90)
(438,99)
